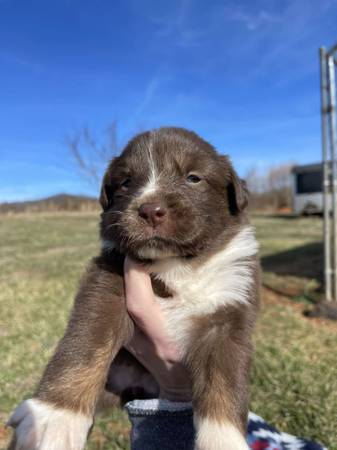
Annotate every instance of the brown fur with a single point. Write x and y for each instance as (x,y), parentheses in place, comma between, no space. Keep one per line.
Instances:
(99,326)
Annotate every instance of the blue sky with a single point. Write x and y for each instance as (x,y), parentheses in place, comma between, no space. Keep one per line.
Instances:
(243,74)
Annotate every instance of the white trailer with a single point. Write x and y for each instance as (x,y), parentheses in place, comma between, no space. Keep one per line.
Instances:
(307,189)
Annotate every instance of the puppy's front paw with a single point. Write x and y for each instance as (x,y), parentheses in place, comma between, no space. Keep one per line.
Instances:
(40,426)
(213,435)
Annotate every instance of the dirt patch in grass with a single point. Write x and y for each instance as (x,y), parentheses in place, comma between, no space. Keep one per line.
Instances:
(270,297)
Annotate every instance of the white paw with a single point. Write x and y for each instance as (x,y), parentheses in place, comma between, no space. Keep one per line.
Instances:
(213,435)
(39,426)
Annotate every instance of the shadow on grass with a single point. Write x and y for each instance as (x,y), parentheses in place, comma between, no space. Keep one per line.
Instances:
(297,273)
(305,261)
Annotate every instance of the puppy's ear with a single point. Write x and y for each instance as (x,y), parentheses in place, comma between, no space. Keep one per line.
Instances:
(237,191)
(106,194)
(103,196)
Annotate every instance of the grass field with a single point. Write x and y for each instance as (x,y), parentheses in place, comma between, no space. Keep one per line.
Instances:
(294,378)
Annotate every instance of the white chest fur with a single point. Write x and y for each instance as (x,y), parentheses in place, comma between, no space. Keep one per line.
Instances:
(225,278)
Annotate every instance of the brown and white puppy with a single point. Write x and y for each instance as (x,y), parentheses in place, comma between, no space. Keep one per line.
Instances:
(172,200)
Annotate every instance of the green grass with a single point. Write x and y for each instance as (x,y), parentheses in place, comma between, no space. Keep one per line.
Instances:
(294,378)
(292,255)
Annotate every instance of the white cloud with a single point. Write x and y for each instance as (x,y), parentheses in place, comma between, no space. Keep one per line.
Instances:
(252,20)
(149,93)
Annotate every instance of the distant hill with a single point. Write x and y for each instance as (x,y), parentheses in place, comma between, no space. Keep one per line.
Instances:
(59,202)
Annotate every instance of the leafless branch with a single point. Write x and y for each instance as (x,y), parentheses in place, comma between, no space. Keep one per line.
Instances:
(271,188)
(91,157)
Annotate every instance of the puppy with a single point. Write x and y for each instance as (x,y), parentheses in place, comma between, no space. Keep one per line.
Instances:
(171,200)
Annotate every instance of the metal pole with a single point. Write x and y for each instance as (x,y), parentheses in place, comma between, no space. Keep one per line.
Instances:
(326,176)
(332,95)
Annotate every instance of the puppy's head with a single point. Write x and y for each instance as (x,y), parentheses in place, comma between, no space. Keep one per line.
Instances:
(169,194)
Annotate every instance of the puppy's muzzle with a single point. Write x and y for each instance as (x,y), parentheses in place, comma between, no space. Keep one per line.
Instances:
(153,213)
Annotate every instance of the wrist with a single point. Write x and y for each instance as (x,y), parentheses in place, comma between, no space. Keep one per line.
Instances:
(176,395)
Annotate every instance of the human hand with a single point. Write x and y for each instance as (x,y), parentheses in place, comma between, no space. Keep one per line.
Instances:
(151,344)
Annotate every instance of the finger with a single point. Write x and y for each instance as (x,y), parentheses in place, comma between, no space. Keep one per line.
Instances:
(132,264)
(147,313)
(138,291)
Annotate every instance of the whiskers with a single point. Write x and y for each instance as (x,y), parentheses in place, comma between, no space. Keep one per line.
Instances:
(112,215)
(107,213)
(129,232)
(115,224)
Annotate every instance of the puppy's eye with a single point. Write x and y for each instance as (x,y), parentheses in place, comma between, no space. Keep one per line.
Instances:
(193,178)
(125,184)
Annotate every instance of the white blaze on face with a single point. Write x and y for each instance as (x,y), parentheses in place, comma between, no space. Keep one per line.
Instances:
(152,181)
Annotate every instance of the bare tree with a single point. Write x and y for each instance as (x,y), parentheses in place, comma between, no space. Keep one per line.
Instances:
(256,181)
(270,188)
(279,185)
(91,157)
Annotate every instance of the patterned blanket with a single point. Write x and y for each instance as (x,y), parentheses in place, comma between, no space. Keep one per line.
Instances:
(262,436)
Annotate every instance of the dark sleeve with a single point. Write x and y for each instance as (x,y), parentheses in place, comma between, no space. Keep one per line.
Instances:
(161,424)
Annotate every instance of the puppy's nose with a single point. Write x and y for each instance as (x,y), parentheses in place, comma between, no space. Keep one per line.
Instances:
(153,213)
